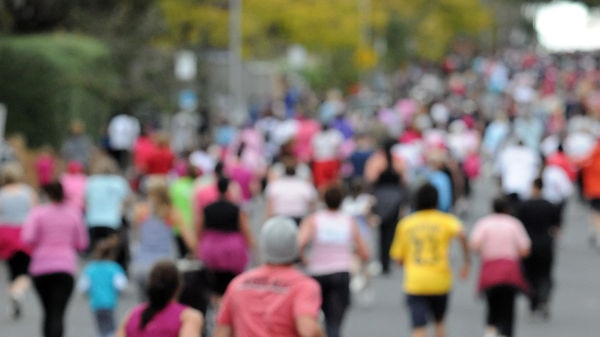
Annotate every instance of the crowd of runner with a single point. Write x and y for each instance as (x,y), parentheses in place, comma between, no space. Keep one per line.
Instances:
(330,179)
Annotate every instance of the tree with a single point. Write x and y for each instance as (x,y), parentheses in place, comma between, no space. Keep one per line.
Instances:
(32,16)
(341,33)
(130,28)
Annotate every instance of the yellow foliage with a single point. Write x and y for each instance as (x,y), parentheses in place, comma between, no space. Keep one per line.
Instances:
(323,26)
(365,58)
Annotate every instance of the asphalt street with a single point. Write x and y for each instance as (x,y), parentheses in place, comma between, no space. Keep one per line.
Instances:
(575,305)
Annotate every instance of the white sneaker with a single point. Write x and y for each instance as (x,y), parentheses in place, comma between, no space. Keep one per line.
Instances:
(374,268)
(366,297)
(357,284)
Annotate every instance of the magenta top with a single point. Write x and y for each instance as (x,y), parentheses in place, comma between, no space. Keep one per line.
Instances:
(165,323)
(56,232)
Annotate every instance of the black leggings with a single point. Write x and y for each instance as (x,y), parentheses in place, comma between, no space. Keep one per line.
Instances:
(537,269)
(335,291)
(501,307)
(386,237)
(54,291)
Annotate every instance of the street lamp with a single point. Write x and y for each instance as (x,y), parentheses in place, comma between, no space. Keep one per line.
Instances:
(236,86)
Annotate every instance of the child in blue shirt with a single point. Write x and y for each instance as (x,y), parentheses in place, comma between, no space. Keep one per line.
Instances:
(102,279)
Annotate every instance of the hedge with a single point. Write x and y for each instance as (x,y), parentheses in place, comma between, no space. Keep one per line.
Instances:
(48,80)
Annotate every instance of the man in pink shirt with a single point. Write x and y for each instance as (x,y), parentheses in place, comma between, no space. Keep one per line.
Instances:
(274,299)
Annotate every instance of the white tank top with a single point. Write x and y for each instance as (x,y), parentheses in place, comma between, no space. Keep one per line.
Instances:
(332,245)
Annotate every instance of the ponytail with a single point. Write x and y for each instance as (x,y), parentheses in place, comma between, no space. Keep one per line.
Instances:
(163,284)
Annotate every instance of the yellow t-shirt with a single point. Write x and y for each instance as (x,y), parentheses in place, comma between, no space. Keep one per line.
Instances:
(422,242)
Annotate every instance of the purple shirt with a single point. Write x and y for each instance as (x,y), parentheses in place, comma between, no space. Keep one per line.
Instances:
(165,323)
(56,232)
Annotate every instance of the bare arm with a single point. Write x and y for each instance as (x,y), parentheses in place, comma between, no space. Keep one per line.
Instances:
(245,229)
(223,331)
(187,234)
(269,208)
(121,329)
(361,247)
(199,226)
(305,233)
(307,326)
(191,323)
(464,272)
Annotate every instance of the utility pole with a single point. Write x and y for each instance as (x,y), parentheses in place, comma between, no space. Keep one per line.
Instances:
(238,114)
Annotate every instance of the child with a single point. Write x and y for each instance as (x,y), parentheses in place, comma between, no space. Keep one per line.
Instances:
(102,279)
(358,204)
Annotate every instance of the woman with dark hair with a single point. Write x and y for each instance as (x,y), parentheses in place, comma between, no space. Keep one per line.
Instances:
(224,240)
(162,315)
(501,241)
(334,237)
(56,232)
(391,197)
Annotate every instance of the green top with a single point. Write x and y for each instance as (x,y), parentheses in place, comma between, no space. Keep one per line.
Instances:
(181,195)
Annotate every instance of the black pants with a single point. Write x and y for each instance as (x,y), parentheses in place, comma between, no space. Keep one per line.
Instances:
(501,307)
(54,291)
(386,237)
(335,291)
(537,269)
(195,292)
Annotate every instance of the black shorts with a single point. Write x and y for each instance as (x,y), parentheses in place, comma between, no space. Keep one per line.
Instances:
(422,307)
(18,264)
(595,204)
(218,280)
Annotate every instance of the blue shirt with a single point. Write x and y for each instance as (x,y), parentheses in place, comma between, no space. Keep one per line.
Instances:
(224,135)
(102,280)
(443,185)
(104,196)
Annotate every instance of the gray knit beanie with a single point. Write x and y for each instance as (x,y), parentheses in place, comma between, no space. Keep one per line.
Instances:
(278,241)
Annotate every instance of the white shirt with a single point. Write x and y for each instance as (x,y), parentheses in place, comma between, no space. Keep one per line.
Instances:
(203,161)
(326,144)
(123,130)
(579,145)
(518,167)
(291,196)
(557,185)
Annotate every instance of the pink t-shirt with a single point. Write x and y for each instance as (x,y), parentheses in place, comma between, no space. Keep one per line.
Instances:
(291,196)
(499,236)
(243,176)
(265,302)
(74,188)
(307,129)
(56,232)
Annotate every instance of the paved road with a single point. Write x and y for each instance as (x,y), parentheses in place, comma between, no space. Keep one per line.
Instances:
(576,305)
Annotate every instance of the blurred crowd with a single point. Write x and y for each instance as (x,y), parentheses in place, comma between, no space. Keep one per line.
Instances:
(529,120)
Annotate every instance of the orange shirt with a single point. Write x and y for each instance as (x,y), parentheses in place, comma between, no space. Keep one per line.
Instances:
(591,174)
